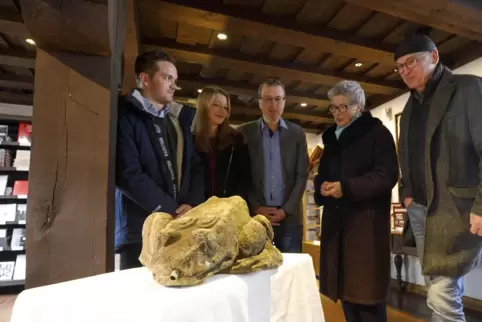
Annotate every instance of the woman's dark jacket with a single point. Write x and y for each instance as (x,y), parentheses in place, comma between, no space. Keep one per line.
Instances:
(232,175)
(355,247)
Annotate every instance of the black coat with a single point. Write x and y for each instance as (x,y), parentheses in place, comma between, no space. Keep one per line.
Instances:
(141,170)
(232,175)
(355,247)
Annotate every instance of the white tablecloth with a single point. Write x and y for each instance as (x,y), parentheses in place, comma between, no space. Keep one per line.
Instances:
(286,294)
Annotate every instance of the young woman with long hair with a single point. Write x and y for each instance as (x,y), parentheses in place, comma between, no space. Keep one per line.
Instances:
(222,148)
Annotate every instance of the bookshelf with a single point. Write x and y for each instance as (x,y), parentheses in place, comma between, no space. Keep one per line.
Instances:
(311,212)
(15,138)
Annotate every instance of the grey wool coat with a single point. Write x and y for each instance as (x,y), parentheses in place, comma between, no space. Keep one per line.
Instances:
(453,167)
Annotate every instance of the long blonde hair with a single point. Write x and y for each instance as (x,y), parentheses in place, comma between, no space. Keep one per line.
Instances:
(225,133)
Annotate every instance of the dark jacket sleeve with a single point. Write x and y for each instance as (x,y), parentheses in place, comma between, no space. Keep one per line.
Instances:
(405,184)
(474,116)
(130,177)
(251,197)
(196,189)
(243,170)
(382,178)
(320,178)
(302,164)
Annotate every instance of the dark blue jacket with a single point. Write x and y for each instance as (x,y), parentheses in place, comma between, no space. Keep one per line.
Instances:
(142,175)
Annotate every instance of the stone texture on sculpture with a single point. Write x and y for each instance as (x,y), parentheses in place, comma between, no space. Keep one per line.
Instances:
(218,236)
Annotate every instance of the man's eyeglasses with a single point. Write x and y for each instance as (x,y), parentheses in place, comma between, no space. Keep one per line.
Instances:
(409,64)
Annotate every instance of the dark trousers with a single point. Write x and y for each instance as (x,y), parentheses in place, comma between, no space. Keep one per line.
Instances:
(365,313)
(288,239)
(129,256)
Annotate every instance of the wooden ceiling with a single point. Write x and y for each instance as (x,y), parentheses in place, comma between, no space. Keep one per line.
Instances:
(308,44)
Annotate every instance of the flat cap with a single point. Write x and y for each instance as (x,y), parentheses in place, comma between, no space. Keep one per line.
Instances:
(414,44)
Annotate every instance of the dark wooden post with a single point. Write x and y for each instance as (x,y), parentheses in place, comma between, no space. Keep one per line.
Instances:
(70,220)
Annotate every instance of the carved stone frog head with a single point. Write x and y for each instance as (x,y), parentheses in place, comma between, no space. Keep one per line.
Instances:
(189,249)
(216,236)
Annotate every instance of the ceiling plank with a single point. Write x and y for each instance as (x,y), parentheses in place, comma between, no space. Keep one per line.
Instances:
(234,60)
(17,57)
(17,82)
(246,89)
(11,22)
(441,14)
(14,98)
(239,20)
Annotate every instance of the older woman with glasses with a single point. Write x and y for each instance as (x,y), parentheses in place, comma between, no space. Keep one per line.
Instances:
(354,183)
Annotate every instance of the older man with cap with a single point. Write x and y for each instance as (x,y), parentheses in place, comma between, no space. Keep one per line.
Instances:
(440,155)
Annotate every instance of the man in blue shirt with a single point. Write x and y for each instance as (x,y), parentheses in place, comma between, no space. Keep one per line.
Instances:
(279,163)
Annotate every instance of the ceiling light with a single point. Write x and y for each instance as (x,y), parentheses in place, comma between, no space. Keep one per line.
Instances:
(199,90)
(303,104)
(30,41)
(222,36)
(358,65)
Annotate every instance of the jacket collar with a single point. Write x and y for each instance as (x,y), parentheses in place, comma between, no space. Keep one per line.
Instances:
(357,129)
(149,107)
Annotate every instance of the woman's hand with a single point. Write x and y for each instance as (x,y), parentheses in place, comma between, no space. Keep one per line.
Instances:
(324,189)
(332,189)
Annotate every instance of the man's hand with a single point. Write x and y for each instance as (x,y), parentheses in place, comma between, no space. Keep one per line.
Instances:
(182,210)
(334,189)
(476,224)
(277,217)
(407,201)
(265,211)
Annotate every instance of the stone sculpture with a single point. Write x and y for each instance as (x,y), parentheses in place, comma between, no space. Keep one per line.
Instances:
(218,236)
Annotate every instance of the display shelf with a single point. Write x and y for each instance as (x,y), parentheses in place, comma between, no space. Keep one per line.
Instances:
(15,138)
(311,212)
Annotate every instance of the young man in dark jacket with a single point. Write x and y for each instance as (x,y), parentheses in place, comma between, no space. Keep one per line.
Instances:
(158,169)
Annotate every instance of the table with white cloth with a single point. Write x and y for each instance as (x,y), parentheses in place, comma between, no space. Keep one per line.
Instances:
(286,294)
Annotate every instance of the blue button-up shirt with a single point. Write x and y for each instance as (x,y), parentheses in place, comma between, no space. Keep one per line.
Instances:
(273,168)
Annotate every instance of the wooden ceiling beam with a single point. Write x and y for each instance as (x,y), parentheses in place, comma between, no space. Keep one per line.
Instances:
(14,98)
(17,57)
(131,47)
(247,89)
(239,20)
(17,81)
(72,26)
(441,14)
(253,110)
(235,60)
(11,23)
(241,119)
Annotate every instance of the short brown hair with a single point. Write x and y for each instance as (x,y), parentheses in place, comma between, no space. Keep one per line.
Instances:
(225,134)
(146,62)
(270,82)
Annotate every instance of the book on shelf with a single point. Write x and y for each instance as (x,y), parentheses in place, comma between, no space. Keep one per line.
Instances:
(6,270)
(24,133)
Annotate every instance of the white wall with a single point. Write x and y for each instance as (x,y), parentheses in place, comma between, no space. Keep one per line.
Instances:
(411,271)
